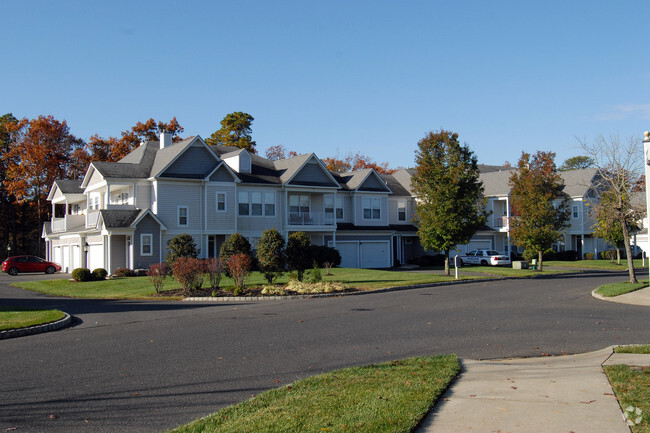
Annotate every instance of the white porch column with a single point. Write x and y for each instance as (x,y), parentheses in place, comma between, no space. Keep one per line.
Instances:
(646,163)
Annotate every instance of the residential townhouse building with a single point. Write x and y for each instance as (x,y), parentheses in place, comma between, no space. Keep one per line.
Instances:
(122,214)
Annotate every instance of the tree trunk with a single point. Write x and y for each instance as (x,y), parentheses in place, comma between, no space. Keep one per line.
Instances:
(447,273)
(618,255)
(628,251)
(539,261)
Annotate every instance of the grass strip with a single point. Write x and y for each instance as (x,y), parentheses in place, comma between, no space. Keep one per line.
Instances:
(15,318)
(597,264)
(642,349)
(387,397)
(615,289)
(632,388)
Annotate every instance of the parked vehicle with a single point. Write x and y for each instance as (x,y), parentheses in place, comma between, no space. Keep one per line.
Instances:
(484,258)
(18,264)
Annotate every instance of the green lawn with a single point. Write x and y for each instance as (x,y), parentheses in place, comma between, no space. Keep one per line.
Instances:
(14,318)
(387,397)
(615,289)
(598,264)
(632,388)
(641,349)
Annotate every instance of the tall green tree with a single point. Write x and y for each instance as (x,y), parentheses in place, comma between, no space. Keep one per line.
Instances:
(235,131)
(450,207)
(270,254)
(607,226)
(539,209)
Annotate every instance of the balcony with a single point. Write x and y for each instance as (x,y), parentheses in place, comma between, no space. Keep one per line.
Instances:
(312,219)
(68,222)
(501,222)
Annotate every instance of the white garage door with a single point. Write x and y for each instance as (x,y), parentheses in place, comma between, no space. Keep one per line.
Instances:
(65,259)
(479,244)
(95,257)
(57,255)
(349,254)
(375,254)
(75,263)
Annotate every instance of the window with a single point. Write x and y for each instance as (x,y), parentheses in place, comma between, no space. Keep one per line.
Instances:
(221,202)
(257,203)
(330,209)
(183,216)
(243,203)
(125,198)
(575,212)
(146,244)
(401,211)
(269,203)
(371,208)
(299,204)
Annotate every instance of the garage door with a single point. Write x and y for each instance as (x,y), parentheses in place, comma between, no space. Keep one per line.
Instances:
(75,263)
(375,254)
(479,244)
(57,255)
(349,253)
(65,259)
(95,257)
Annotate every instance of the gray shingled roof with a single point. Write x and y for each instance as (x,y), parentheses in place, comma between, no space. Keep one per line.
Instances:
(69,186)
(576,182)
(114,218)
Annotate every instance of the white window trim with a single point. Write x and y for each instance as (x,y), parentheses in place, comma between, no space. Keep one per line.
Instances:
(225,207)
(249,202)
(401,204)
(575,211)
(142,243)
(178,216)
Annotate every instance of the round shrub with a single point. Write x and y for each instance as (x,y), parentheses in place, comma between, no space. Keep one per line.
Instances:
(82,274)
(99,274)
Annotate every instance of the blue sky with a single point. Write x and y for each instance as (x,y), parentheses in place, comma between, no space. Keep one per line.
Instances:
(338,76)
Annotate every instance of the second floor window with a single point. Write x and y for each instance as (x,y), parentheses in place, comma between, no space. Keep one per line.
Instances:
(401,211)
(576,212)
(371,208)
(183,213)
(221,202)
(333,207)
(299,204)
(256,203)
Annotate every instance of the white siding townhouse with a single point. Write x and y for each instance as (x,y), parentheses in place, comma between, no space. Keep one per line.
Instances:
(122,214)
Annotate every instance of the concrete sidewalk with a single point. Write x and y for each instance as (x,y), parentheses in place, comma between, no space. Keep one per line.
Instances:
(549,394)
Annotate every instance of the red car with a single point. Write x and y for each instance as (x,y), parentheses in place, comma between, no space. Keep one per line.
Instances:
(16,264)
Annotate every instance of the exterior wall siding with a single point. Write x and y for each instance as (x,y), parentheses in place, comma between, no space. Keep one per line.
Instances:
(170,196)
(196,160)
(311,173)
(147,226)
(221,222)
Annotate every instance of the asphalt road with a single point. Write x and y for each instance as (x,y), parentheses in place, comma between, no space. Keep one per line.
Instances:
(150,366)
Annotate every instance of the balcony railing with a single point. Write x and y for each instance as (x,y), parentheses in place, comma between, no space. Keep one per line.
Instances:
(500,222)
(311,218)
(91,219)
(68,222)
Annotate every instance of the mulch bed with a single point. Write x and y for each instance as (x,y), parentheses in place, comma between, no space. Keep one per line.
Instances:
(205,293)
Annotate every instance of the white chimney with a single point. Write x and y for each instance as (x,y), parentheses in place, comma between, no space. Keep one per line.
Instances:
(165,139)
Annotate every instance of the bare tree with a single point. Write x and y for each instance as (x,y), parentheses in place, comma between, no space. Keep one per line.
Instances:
(620,166)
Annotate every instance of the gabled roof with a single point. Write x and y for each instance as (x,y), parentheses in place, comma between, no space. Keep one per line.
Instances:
(66,187)
(290,168)
(117,218)
(166,157)
(577,183)
(358,180)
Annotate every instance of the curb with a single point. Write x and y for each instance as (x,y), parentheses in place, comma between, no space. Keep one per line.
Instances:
(37,329)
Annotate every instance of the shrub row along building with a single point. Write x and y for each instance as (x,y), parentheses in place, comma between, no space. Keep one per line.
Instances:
(122,214)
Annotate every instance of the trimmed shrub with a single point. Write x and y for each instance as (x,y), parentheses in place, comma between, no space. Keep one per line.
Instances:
(235,244)
(298,253)
(188,271)
(315,274)
(82,274)
(181,246)
(100,274)
(322,254)
(123,272)
(428,260)
(214,268)
(589,256)
(568,255)
(157,274)
(240,268)
(270,255)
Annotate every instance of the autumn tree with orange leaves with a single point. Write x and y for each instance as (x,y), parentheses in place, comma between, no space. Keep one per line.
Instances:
(354,162)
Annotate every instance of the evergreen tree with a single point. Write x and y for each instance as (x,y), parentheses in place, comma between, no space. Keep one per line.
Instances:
(270,254)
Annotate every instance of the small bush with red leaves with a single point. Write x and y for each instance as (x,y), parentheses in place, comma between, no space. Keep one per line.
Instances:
(240,268)
(214,268)
(157,274)
(188,272)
